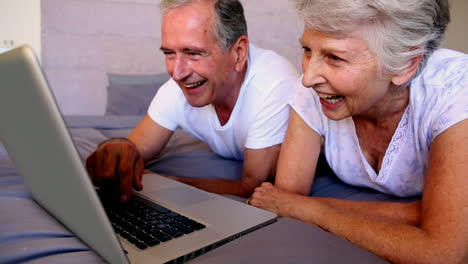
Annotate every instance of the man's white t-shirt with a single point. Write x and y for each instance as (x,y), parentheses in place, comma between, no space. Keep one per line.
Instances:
(438,100)
(259,118)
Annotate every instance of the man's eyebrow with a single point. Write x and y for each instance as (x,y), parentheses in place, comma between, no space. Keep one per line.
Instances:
(186,49)
(194,49)
(301,42)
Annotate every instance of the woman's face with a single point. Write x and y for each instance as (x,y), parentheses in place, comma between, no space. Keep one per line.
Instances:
(344,74)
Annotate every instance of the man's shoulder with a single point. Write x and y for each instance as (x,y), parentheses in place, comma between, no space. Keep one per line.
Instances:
(269,71)
(269,61)
(170,87)
(170,92)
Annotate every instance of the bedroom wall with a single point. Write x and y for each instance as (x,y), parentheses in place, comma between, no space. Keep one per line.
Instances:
(82,40)
(20,22)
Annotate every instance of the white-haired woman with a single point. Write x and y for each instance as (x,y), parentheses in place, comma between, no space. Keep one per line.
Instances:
(392,108)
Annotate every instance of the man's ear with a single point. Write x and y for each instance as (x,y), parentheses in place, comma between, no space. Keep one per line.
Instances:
(240,51)
(404,76)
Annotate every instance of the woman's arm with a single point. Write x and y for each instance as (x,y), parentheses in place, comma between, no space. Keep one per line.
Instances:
(298,157)
(441,236)
(408,213)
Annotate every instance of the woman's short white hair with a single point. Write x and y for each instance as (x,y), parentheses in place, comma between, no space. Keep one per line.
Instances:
(396,30)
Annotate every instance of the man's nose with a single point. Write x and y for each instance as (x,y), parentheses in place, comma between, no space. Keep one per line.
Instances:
(180,69)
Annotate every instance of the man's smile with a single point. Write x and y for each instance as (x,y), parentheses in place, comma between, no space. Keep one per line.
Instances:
(194,85)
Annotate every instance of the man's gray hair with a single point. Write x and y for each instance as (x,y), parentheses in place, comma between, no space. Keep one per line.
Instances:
(229,20)
(396,30)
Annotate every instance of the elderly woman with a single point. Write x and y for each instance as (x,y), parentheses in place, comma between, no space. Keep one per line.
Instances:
(392,108)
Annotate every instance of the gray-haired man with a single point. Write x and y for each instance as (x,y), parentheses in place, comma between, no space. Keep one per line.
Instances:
(223,91)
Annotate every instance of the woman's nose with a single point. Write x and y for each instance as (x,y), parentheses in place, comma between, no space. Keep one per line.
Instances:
(313,73)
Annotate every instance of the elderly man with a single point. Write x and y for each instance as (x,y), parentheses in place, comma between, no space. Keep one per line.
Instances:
(224,91)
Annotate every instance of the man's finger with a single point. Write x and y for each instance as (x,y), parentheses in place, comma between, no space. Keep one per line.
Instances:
(139,167)
(91,167)
(108,164)
(126,173)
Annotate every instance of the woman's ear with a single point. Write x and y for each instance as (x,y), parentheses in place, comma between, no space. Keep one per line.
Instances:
(240,51)
(410,71)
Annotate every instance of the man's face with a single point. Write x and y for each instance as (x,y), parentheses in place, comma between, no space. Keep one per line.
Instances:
(194,59)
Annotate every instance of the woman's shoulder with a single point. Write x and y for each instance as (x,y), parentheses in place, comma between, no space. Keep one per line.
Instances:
(444,63)
(446,71)
(439,95)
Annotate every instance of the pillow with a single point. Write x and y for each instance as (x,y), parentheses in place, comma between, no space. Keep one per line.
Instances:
(128,79)
(132,94)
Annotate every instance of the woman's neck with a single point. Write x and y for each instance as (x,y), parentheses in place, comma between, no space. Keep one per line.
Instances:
(389,110)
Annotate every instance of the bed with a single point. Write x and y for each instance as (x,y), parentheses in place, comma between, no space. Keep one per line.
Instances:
(28,234)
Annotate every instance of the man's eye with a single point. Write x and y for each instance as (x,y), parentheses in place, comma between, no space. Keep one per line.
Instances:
(306,49)
(167,53)
(334,58)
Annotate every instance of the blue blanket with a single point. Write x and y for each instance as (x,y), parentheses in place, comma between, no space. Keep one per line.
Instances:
(30,234)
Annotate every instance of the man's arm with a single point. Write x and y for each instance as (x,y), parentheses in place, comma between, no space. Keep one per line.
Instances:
(259,166)
(149,138)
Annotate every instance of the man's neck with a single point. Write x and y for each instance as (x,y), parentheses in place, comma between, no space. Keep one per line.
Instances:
(225,108)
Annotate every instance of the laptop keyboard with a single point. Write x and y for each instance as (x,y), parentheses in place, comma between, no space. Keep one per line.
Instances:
(148,225)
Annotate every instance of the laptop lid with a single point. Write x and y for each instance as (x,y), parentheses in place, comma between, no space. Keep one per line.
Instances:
(38,142)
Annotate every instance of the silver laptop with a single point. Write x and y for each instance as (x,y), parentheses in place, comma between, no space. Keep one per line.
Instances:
(37,140)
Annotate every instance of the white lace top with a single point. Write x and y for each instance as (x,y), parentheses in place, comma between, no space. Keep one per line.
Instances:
(438,100)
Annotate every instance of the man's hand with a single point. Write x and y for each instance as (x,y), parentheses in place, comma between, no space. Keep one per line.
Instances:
(116,162)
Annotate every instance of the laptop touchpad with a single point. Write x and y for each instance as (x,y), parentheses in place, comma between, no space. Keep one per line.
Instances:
(181,196)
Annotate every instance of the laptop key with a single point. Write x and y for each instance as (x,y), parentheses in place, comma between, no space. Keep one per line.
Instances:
(152,242)
(154,213)
(161,226)
(173,214)
(193,224)
(175,225)
(161,236)
(141,245)
(198,226)
(185,229)
(152,222)
(168,220)
(161,209)
(160,217)
(132,239)
(172,232)
(125,235)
